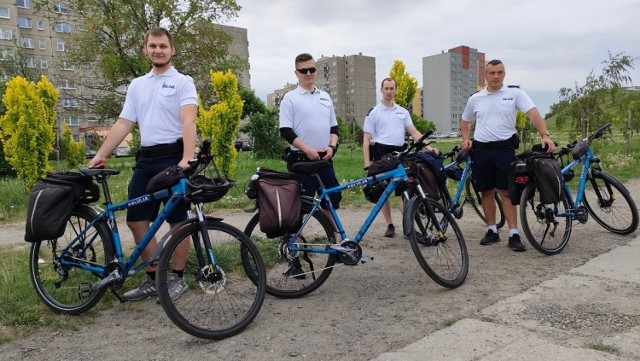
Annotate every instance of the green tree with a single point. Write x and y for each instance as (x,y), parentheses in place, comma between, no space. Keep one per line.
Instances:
(584,106)
(113,31)
(265,134)
(71,151)
(422,124)
(222,121)
(407,85)
(27,127)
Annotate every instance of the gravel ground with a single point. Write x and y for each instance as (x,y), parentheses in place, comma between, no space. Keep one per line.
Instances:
(359,313)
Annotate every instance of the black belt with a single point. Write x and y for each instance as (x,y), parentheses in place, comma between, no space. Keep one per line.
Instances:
(514,141)
(385,148)
(160,150)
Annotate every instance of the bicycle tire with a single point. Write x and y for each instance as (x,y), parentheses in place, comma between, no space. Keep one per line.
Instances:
(609,211)
(217,304)
(67,290)
(544,226)
(477,206)
(446,260)
(280,282)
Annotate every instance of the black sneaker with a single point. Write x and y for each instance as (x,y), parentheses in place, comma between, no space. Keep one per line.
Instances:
(490,237)
(391,230)
(516,244)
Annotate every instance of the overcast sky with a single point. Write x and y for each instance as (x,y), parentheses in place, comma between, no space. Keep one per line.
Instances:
(545,45)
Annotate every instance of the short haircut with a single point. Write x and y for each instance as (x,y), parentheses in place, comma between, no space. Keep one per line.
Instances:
(158,32)
(395,83)
(494,62)
(303,57)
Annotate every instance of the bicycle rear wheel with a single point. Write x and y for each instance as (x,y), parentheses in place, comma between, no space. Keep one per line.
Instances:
(295,274)
(443,257)
(610,204)
(546,226)
(474,198)
(66,289)
(211,301)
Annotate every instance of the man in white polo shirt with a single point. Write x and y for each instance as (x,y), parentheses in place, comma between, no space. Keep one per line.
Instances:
(164,104)
(494,111)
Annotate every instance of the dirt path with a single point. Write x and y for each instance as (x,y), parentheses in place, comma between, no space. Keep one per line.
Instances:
(359,313)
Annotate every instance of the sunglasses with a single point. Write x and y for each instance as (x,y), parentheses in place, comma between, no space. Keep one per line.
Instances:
(306,70)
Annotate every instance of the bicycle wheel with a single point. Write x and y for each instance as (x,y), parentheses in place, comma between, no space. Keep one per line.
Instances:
(610,204)
(211,301)
(473,197)
(443,257)
(546,226)
(295,274)
(66,289)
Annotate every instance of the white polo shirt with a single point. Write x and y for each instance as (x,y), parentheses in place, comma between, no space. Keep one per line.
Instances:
(310,115)
(387,125)
(154,101)
(495,114)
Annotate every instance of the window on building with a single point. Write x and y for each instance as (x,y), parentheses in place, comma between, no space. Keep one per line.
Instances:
(88,82)
(92,119)
(66,84)
(61,8)
(60,46)
(70,103)
(40,25)
(6,34)
(6,54)
(42,44)
(64,65)
(63,28)
(72,120)
(91,101)
(24,23)
(4,12)
(31,63)
(44,63)
(23,4)
(26,42)
(122,88)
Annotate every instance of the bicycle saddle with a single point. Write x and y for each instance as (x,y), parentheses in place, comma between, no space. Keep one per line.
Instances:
(309,168)
(98,171)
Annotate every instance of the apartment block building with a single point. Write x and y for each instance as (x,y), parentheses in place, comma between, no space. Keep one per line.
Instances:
(349,80)
(448,80)
(36,40)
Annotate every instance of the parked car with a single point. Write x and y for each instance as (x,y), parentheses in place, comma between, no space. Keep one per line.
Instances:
(122,152)
(243,145)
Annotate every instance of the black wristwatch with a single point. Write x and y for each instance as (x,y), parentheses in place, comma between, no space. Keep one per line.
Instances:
(333,147)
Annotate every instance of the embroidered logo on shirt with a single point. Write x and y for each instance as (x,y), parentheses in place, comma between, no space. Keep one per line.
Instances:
(325,99)
(170,86)
(507,98)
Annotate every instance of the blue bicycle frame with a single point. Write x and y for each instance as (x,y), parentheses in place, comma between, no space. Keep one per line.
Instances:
(395,177)
(584,175)
(175,195)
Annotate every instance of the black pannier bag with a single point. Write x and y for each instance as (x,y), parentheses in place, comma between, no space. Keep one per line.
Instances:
(518,177)
(279,198)
(548,177)
(52,200)
(431,173)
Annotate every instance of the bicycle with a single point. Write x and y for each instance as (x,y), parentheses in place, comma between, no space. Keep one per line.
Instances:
(72,273)
(548,226)
(301,261)
(465,189)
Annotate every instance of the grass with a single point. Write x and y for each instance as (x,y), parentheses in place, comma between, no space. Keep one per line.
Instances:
(599,346)
(22,312)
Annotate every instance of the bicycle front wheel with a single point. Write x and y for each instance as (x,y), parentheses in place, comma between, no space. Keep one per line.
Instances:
(66,289)
(610,204)
(546,226)
(443,256)
(293,274)
(475,199)
(210,301)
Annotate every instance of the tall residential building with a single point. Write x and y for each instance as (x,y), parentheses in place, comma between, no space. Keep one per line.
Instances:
(349,80)
(35,41)
(448,80)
